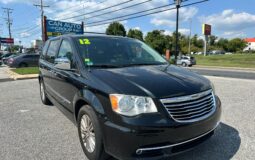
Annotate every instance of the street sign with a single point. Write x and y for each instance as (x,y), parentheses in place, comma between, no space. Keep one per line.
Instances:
(207,29)
(7,40)
(57,28)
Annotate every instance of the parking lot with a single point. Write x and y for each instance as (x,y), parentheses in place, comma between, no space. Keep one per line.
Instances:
(30,130)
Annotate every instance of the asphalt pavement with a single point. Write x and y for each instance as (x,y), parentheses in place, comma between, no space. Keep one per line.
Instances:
(3,74)
(218,72)
(31,130)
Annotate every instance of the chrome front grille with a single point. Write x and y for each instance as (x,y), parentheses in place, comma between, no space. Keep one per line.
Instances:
(190,108)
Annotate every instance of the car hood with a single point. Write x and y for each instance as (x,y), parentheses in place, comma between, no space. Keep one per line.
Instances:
(154,81)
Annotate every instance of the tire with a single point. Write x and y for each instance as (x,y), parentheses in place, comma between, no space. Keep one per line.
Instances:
(184,64)
(44,98)
(87,114)
(22,65)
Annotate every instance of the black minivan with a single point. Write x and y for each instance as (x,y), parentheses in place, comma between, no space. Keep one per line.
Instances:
(126,100)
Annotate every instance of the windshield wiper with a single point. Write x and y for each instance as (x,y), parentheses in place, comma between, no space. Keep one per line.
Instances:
(104,66)
(144,64)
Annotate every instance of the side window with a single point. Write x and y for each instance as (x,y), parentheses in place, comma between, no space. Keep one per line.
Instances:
(52,51)
(27,56)
(64,59)
(45,48)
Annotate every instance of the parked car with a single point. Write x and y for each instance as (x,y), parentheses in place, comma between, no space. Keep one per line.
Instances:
(126,100)
(186,61)
(6,55)
(199,53)
(24,60)
(217,52)
(5,60)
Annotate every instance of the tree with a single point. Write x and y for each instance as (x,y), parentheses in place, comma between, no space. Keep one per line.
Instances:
(117,29)
(156,39)
(223,44)
(199,43)
(135,33)
(236,44)
(212,40)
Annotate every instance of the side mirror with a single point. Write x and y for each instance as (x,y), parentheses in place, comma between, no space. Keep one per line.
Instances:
(62,63)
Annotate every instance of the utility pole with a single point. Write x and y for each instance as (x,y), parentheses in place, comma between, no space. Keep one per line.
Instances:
(0,37)
(190,27)
(178,5)
(8,11)
(42,17)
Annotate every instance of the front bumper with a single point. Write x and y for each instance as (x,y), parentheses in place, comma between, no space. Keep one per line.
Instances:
(161,138)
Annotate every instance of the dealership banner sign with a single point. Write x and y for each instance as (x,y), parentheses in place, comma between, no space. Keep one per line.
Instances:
(57,28)
(7,40)
(207,29)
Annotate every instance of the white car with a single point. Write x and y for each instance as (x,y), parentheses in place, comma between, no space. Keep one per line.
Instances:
(186,61)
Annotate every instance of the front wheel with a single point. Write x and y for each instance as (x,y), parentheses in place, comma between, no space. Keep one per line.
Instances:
(43,95)
(184,64)
(90,134)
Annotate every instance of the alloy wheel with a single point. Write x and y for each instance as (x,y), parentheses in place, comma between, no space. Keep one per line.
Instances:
(87,133)
(42,91)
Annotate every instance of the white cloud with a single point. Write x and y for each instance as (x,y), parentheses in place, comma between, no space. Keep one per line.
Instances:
(167,32)
(229,21)
(137,28)
(17,1)
(168,18)
(184,31)
(24,34)
(234,34)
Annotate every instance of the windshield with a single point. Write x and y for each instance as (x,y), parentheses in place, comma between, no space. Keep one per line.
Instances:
(117,52)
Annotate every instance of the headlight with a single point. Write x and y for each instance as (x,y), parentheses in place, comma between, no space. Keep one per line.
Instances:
(132,105)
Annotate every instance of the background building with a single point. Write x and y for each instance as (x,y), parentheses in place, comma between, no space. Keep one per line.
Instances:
(37,44)
(250,44)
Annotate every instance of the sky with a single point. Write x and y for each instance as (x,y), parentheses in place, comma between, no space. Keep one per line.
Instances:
(229,18)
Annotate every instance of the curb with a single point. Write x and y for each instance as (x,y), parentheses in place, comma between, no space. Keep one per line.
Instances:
(227,68)
(16,76)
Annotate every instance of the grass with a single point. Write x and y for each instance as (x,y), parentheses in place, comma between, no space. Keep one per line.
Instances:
(234,60)
(28,70)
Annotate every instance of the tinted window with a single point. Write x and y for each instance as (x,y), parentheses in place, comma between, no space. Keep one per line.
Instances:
(27,56)
(52,50)
(64,59)
(45,49)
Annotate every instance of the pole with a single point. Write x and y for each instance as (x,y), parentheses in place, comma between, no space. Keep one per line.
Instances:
(9,23)
(45,36)
(8,20)
(190,26)
(205,45)
(178,3)
(0,38)
(42,17)
(42,13)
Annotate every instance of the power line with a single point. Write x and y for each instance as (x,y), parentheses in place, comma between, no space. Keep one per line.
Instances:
(75,6)
(42,16)
(127,15)
(134,17)
(8,11)
(97,10)
(27,29)
(134,5)
(34,33)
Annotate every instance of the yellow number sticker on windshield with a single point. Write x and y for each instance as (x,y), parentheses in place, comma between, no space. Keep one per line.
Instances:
(84,41)
(87,60)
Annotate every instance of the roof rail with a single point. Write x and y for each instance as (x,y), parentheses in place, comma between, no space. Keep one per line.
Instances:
(95,33)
